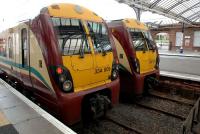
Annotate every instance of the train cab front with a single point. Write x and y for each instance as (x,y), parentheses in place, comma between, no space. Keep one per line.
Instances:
(145,59)
(137,54)
(88,76)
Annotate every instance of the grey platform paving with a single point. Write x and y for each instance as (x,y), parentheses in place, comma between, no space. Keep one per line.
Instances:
(24,117)
(187,63)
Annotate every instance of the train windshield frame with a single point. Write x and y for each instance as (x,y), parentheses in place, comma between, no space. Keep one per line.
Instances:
(138,40)
(100,37)
(72,38)
(151,44)
(142,40)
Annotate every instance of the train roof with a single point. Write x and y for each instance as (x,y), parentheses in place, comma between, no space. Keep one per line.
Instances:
(132,23)
(72,11)
(129,23)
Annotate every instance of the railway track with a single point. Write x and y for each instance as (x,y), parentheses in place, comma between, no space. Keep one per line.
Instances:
(159,112)
(170,106)
(171,109)
(173,98)
(131,129)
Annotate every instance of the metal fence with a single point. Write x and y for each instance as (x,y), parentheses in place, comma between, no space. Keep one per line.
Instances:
(192,123)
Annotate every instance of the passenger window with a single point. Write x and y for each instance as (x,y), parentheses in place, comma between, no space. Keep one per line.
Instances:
(100,38)
(3,48)
(24,42)
(10,47)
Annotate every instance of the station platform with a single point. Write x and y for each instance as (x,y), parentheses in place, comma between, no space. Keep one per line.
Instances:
(183,76)
(19,115)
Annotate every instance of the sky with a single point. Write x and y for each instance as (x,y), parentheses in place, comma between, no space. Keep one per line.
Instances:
(14,11)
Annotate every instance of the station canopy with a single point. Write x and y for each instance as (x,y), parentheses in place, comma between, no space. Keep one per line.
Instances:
(186,11)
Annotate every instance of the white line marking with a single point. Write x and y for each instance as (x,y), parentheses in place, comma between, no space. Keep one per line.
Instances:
(179,55)
(181,76)
(59,125)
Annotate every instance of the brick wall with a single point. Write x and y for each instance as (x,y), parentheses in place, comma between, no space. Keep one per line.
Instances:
(188,35)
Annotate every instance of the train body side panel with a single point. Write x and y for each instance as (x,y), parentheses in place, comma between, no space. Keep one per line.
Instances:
(38,66)
(123,60)
(35,76)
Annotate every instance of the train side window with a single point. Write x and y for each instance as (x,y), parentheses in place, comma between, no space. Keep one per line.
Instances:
(10,47)
(139,42)
(3,48)
(24,42)
(100,38)
(149,40)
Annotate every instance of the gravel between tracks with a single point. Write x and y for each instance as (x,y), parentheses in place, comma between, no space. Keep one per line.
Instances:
(102,127)
(148,121)
(166,105)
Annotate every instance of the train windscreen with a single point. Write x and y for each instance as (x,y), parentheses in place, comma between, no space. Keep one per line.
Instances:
(72,39)
(139,43)
(141,40)
(151,44)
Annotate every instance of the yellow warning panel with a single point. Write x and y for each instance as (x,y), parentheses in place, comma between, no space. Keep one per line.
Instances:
(3,120)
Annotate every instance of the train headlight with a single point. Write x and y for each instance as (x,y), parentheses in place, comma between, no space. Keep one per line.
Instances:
(137,69)
(62,78)
(67,86)
(137,65)
(117,67)
(114,74)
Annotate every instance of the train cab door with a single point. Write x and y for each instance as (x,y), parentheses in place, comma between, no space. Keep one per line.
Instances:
(11,52)
(143,57)
(77,55)
(102,52)
(82,63)
(12,45)
(152,54)
(25,60)
(141,50)
(103,64)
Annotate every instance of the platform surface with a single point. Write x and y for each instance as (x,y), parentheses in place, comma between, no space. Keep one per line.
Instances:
(18,115)
(183,64)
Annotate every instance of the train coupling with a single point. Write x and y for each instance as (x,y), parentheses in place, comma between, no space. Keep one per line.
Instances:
(152,81)
(99,105)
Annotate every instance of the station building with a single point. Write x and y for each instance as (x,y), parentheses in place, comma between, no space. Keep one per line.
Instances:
(187,36)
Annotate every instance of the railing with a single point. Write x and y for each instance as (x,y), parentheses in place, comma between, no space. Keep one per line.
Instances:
(193,119)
